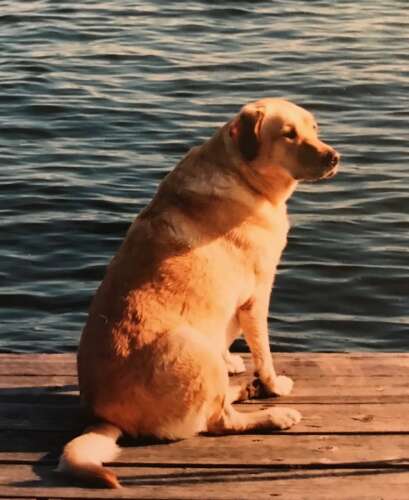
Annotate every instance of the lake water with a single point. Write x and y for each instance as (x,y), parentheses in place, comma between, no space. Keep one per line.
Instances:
(98,100)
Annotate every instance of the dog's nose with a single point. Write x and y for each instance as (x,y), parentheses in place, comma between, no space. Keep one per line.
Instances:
(331,158)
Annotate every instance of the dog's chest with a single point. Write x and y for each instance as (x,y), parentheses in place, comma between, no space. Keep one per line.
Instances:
(266,235)
(252,252)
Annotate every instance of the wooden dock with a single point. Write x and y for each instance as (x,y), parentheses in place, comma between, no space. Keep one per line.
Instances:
(353,442)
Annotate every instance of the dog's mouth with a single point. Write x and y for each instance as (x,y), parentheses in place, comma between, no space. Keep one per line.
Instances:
(318,176)
(318,167)
(330,173)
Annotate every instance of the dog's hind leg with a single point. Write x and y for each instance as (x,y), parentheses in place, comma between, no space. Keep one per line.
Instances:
(230,421)
(237,392)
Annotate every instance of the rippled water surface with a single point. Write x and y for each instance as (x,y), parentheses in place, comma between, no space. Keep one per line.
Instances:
(98,100)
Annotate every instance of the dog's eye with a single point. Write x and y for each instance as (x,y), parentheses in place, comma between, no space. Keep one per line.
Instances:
(290,133)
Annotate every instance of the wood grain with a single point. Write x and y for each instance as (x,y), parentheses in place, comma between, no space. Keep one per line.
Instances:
(352,443)
(216,483)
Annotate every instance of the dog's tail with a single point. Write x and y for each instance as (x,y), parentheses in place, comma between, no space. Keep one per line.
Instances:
(83,456)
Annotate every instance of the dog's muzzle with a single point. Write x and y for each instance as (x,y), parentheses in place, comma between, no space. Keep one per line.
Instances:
(331,159)
(330,162)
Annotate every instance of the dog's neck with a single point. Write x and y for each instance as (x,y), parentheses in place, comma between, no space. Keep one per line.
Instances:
(213,179)
(274,186)
(209,180)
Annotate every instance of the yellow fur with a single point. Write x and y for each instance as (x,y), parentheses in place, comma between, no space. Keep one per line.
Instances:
(195,271)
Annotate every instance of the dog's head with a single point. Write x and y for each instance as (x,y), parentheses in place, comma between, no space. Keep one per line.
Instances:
(275,136)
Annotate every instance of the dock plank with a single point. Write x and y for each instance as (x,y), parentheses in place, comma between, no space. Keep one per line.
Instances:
(352,442)
(317,418)
(305,364)
(216,483)
(333,387)
(252,450)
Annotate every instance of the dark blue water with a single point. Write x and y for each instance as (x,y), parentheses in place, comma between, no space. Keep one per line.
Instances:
(98,100)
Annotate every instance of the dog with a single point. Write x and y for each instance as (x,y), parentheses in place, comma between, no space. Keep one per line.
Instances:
(194,272)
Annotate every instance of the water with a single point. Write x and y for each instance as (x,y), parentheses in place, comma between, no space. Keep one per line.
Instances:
(98,100)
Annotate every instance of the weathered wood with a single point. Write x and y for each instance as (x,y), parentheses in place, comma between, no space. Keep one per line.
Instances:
(30,381)
(40,396)
(256,450)
(324,389)
(305,364)
(217,483)
(304,385)
(324,418)
(352,442)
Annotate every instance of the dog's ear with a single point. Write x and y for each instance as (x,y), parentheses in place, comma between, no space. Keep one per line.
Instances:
(245,132)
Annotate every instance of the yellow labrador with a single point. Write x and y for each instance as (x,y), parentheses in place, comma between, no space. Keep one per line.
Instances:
(194,272)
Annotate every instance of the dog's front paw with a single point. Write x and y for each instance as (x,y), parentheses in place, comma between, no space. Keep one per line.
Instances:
(284,418)
(281,386)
